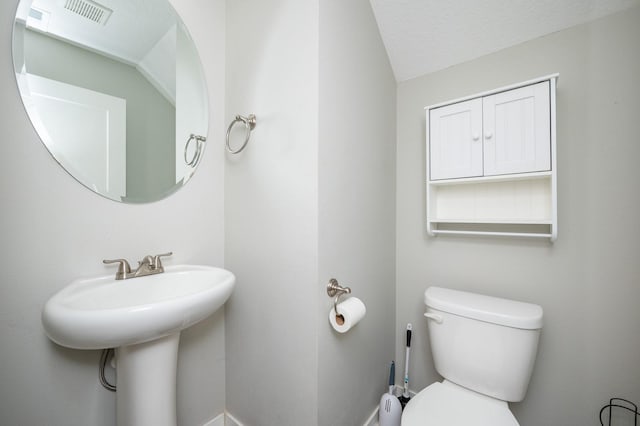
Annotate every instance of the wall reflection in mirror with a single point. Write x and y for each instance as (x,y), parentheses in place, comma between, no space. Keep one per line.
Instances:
(115,89)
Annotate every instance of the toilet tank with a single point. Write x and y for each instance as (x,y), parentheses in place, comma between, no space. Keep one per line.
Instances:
(483,343)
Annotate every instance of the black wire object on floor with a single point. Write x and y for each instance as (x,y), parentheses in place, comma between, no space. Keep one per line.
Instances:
(616,403)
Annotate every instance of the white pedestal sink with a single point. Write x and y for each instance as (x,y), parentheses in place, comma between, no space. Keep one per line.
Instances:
(142,318)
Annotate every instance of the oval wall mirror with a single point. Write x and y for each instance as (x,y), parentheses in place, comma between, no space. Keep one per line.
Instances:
(115,90)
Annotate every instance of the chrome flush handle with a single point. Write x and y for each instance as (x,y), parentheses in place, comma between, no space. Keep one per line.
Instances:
(435,317)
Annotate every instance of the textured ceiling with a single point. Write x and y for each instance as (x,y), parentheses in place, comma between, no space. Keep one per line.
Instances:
(422,36)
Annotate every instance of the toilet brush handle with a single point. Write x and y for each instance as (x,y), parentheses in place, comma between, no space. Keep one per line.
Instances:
(392,375)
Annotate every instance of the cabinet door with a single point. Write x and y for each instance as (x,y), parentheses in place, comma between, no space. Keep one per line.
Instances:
(517,132)
(455,143)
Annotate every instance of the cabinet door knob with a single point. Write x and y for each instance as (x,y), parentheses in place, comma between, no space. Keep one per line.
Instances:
(476,136)
(488,135)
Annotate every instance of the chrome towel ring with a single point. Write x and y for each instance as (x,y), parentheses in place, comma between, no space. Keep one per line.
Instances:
(249,124)
(196,155)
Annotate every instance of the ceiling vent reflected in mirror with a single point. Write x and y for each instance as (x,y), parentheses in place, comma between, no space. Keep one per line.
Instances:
(119,119)
(90,10)
(38,19)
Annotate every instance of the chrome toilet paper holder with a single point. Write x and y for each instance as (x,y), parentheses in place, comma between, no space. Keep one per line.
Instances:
(334,289)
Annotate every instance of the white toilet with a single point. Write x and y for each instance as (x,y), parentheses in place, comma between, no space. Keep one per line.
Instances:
(484,348)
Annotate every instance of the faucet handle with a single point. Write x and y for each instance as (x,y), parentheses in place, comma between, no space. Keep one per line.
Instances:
(157,263)
(123,268)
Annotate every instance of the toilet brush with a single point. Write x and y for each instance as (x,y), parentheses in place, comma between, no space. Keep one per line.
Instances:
(404,398)
(390,409)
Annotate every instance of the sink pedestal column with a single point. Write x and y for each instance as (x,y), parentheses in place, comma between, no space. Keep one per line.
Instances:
(146,382)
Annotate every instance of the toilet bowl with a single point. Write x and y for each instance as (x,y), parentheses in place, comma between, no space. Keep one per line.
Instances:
(484,348)
(447,404)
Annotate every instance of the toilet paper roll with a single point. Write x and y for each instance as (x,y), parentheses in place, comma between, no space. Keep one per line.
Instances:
(350,312)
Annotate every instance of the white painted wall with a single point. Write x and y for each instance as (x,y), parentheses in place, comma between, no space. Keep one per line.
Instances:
(310,198)
(54,230)
(587,282)
(357,209)
(271,208)
(284,238)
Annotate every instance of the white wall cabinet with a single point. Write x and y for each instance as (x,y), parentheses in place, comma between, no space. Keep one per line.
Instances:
(508,132)
(456,148)
(491,162)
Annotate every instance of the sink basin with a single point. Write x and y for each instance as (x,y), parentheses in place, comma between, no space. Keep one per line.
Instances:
(142,318)
(102,312)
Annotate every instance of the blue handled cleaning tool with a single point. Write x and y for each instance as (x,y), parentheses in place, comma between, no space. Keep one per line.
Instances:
(404,398)
(390,408)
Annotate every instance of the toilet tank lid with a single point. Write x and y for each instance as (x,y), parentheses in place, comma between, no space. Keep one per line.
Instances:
(490,309)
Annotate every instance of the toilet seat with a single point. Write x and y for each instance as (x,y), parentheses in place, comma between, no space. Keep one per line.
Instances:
(447,404)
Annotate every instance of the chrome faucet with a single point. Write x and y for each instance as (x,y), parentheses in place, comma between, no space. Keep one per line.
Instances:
(149,265)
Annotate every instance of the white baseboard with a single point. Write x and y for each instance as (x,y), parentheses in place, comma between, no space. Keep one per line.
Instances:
(231,421)
(216,421)
(226,419)
(373,418)
(223,419)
